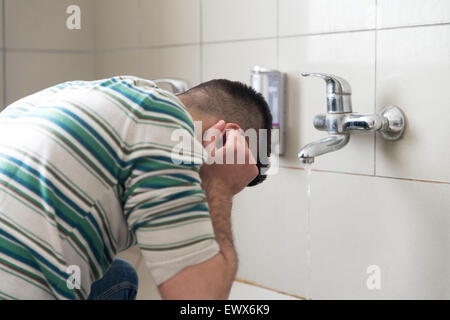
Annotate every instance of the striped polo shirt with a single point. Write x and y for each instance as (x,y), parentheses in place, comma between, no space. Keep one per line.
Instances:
(88,169)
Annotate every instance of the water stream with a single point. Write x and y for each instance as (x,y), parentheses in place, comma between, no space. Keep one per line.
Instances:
(308,231)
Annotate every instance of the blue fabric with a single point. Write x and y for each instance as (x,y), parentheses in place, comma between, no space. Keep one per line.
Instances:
(120,282)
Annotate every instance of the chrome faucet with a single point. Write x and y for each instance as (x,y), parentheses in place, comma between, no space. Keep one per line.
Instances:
(178,85)
(340,121)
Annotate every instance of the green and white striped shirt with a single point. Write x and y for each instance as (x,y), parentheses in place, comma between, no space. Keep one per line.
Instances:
(86,171)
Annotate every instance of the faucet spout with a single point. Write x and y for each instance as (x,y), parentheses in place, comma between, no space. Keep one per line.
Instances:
(325,145)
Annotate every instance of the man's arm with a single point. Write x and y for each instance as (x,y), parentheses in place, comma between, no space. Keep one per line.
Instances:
(213,278)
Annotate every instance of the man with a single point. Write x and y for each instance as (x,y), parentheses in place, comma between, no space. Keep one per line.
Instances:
(88,169)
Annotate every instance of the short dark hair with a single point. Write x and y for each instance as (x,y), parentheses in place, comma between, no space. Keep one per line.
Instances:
(236,102)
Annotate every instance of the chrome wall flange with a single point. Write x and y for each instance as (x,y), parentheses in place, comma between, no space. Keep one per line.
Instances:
(396,123)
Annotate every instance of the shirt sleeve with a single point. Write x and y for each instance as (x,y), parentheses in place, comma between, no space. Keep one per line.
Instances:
(164,204)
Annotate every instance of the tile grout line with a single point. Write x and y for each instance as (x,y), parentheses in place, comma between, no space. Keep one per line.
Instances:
(278,34)
(368,175)
(365,30)
(300,35)
(139,25)
(435,24)
(201,41)
(159,46)
(240,40)
(267,288)
(375,88)
(3,35)
(140,40)
(94,47)
(61,51)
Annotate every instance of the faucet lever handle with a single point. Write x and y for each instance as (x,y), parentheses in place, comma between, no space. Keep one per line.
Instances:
(335,84)
(338,92)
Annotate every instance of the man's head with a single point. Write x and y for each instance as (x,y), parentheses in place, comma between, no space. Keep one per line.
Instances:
(236,103)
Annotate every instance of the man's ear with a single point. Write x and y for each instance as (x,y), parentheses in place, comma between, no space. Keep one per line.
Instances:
(212,132)
(232,126)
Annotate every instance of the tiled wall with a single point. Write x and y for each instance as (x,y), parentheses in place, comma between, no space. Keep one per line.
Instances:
(38,49)
(149,38)
(373,202)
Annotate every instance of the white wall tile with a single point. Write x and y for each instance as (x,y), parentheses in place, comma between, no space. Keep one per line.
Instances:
(401,226)
(109,64)
(356,221)
(236,19)
(269,229)
(41,24)
(117,24)
(317,16)
(181,62)
(234,60)
(413,72)
(173,62)
(170,22)
(412,12)
(28,72)
(350,56)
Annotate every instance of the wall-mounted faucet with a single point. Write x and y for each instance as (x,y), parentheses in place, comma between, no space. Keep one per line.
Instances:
(178,85)
(340,121)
